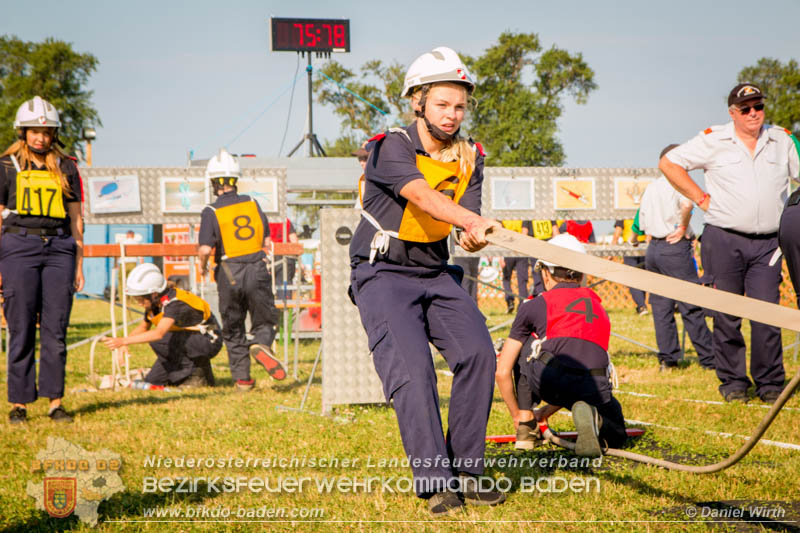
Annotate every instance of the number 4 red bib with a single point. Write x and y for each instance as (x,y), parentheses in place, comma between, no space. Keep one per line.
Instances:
(577,313)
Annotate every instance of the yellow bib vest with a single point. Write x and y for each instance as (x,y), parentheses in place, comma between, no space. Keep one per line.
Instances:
(241,228)
(39,194)
(192,300)
(513,225)
(542,229)
(627,231)
(417,225)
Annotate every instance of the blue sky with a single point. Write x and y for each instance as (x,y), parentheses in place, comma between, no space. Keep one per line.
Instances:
(179,76)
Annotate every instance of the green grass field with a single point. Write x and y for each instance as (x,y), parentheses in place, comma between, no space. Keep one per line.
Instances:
(220,423)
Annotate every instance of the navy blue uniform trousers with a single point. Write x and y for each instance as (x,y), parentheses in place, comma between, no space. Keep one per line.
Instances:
(637,294)
(556,386)
(789,237)
(402,309)
(520,266)
(470,265)
(38,275)
(676,260)
(251,292)
(739,263)
(179,353)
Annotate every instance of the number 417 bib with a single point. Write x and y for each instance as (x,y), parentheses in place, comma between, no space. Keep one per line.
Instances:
(39,194)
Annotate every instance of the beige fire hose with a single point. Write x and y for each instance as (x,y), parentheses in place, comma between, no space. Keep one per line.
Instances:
(726,302)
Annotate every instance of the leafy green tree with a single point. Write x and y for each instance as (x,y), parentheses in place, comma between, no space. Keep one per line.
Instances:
(781,84)
(520,95)
(342,146)
(379,106)
(53,70)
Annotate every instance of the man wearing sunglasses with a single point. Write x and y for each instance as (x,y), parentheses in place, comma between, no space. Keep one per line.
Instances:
(747,166)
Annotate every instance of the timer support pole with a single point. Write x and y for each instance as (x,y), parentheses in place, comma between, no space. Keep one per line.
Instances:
(313,142)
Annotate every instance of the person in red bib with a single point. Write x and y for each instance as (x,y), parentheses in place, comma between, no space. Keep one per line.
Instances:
(180,327)
(565,331)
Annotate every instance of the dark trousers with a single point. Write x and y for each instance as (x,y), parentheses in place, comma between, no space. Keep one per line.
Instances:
(281,281)
(470,266)
(676,260)
(402,310)
(789,238)
(637,295)
(740,264)
(520,266)
(558,387)
(538,284)
(251,293)
(180,353)
(38,277)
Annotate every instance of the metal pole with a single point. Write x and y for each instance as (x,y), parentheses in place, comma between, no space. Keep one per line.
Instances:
(309,70)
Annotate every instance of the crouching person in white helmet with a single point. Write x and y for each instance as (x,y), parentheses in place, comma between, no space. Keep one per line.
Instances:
(557,352)
(237,229)
(179,327)
(421,181)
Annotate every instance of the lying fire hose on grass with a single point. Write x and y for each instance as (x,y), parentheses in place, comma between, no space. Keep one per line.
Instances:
(675,289)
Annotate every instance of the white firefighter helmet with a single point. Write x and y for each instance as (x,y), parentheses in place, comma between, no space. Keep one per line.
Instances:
(145,279)
(440,64)
(37,113)
(565,240)
(223,165)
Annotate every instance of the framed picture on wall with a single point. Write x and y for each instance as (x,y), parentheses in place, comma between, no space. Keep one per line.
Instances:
(114,194)
(263,190)
(513,194)
(183,195)
(628,191)
(573,193)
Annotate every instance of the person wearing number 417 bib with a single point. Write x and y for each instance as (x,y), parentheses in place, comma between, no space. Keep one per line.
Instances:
(421,181)
(235,225)
(41,256)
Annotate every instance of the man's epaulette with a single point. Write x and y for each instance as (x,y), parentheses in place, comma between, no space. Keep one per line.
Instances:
(707,131)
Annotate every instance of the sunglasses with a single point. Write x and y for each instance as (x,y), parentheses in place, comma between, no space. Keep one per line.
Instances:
(362,159)
(745,110)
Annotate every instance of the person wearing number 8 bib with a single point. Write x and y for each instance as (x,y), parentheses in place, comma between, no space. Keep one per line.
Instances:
(41,256)
(567,364)
(237,228)
(421,181)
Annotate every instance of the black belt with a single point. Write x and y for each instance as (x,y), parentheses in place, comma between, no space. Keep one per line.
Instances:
(549,359)
(772,235)
(39,232)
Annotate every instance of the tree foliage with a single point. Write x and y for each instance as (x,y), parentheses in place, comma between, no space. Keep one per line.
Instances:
(53,70)
(520,94)
(781,85)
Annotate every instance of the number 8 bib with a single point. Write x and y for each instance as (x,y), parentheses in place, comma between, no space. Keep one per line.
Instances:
(241,229)
(39,194)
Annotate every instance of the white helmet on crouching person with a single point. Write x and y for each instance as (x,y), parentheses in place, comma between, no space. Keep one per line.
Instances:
(439,65)
(144,280)
(564,240)
(223,169)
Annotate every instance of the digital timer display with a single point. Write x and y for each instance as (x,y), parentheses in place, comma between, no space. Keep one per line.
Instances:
(310,35)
